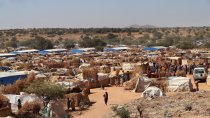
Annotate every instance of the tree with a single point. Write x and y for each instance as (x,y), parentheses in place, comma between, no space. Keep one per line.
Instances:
(42,43)
(185,45)
(69,44)
(38,43)
(45,90)
(91,42)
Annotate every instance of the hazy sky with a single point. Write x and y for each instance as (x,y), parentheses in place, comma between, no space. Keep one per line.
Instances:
(102,13)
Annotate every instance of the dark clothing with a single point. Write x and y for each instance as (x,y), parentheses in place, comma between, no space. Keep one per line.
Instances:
(19,104)
(196,84)
(106,98)
(68,104)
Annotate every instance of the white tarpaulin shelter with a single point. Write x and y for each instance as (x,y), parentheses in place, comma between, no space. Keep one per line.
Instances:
(179,84)
(142,84)
(24,97)
(152,92)
(128,66)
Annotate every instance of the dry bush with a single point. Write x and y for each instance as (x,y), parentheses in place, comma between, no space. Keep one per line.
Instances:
(6,64)
(107,69)
(181,73)
(3,99)
(53,64)
(31,77)
(69,72)
(130,85)
(28,66)
(10,89)
(20,84)
(75,62)
(93,64)
(33,107)
(90,73)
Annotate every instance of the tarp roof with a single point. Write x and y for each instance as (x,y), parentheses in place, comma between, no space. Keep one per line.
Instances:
(55,50)
(7,55)
(25,51)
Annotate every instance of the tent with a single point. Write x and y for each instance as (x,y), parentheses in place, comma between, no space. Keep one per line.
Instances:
(152,92)
(142,84)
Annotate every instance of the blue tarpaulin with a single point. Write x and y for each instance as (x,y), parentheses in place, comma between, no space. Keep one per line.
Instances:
(76,51)
(150,49)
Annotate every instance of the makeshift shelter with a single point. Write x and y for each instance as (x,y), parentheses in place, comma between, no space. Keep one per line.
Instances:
(24,97)
(117,49)
(142,84)
(7,55)
(128,66)
(103,79)
(25,51)
(152,92)
(11,77)
(81,50)
(150,49)
(179,84)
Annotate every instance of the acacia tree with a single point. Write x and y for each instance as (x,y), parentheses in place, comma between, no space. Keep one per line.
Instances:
(45,90)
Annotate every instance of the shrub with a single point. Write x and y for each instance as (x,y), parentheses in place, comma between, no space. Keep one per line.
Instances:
(123,113)
(2,100)
(20,84)
(10,89)
(30,107)
(69,44)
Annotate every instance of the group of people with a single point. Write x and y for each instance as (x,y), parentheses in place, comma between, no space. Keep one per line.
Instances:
(169,69)
(120,79)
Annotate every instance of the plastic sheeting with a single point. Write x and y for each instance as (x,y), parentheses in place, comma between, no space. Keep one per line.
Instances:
(128,66)
(179,84)
(24,97)
(152,92)
(142,84)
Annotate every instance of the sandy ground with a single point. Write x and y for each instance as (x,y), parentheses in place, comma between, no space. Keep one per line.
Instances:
(116,96)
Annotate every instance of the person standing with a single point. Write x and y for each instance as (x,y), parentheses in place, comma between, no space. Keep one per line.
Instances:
(19,104)
(106,98)
(73,104)
(68,104)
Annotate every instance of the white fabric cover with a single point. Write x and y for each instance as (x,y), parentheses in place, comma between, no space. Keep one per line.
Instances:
(152,92)
(179,84)
(24,97)
(128,66)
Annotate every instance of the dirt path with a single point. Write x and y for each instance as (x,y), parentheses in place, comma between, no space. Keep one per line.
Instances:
(116,96)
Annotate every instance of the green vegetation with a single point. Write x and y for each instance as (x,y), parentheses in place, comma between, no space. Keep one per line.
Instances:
(50,91)
(122,112)
(38,43)
(99,37)
(69,44)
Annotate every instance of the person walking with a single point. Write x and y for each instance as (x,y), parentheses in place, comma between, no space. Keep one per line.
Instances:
(106,96)
(196,84)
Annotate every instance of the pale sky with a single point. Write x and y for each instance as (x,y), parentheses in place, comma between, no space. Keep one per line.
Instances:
(102,13)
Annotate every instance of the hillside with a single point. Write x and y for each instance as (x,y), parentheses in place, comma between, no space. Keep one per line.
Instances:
(141,35)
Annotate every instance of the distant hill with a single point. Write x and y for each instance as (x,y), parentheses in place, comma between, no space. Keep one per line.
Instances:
(141,26)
